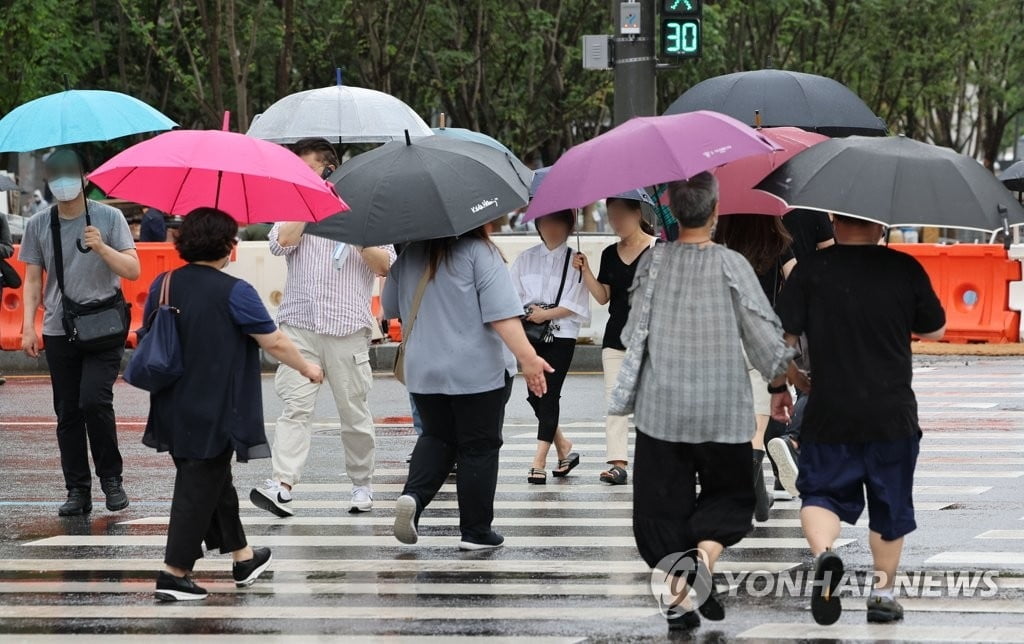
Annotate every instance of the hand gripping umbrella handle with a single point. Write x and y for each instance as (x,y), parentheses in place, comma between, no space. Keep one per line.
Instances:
(88,222)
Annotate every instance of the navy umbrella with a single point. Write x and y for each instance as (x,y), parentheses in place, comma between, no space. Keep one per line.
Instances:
(427,188)
(895,181)
(778,98)
(1013,177)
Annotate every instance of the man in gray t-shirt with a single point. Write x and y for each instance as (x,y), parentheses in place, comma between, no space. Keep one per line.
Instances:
(98,252)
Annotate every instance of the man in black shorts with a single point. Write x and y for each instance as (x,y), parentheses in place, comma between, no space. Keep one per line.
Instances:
(859,303)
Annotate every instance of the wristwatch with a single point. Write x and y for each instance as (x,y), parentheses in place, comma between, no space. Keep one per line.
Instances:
(781,389)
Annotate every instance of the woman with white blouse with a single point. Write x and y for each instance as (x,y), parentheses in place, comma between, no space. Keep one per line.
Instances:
(552,293)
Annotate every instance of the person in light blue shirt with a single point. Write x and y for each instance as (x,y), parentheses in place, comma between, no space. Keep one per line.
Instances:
(459,361)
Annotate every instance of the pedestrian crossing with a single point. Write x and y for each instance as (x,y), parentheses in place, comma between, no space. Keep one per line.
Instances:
(570,566)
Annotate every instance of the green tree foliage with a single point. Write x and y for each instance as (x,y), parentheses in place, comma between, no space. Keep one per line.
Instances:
(949,71)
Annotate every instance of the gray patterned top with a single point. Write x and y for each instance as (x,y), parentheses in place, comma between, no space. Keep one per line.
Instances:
(707,309)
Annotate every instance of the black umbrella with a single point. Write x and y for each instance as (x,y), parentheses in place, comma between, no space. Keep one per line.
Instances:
(1013,177)
(782,98)
(895,181)
(6,183)
(431,188)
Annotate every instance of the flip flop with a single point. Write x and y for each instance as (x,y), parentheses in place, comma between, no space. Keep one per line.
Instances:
(614,475)
(566,465)
(537,477)
(828,574)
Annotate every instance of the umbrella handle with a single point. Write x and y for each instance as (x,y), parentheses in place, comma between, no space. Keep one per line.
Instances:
(1006,226)
(88,222)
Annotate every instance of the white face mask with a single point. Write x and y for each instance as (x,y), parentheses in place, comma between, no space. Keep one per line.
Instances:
(65,188)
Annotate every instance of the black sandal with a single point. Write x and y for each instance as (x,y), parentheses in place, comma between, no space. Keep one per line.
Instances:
(566,465)
(537,477)
(614,475)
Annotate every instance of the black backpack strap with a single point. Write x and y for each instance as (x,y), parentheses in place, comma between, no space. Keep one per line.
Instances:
(565,272)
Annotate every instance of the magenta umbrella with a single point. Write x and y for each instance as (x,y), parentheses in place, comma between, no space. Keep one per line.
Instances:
(736,180)
(642,152)
(252,180)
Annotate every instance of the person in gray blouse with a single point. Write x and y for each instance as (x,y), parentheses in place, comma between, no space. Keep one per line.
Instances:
(694,407)
(459,361)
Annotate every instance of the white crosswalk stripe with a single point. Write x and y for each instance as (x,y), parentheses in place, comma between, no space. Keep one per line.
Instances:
(568,541)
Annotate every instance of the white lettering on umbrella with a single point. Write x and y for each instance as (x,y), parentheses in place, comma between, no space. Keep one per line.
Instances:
(722,150)
(486,203)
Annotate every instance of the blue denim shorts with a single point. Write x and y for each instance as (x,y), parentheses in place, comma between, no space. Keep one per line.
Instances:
(836,476)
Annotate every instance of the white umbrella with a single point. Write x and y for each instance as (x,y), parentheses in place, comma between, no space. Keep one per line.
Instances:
(340,114)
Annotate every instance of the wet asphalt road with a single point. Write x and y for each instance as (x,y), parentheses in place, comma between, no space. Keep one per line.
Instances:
(569,571)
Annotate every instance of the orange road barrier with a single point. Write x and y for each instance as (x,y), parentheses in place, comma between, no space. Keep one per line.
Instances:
(973,282)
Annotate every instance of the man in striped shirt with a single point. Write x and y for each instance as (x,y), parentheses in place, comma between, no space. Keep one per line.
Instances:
(326,313)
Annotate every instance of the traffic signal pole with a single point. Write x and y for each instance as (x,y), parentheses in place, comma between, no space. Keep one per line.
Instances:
(634,62)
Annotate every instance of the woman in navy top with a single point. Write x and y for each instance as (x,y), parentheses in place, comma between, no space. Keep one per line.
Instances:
(215,409)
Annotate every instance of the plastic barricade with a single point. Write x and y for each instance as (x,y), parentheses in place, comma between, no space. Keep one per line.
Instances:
(154,258)
(12,312)
(973,282)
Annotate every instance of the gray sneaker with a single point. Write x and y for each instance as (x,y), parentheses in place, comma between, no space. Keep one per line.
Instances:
(882,610)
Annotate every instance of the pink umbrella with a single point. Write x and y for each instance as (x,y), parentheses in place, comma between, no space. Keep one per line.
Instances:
(737,179)
(642,152)
(252,180)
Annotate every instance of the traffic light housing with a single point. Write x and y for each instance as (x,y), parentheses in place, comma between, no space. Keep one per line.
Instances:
(681,30)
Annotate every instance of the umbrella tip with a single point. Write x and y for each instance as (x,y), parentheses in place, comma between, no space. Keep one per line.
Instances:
(757,119)
(337,76)
(408,139)
(443,120)
(67,83)
(226,124)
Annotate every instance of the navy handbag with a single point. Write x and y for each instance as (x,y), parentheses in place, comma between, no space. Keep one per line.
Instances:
(157,362)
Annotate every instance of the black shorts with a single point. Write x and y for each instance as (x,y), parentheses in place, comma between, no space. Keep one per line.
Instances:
(835,476)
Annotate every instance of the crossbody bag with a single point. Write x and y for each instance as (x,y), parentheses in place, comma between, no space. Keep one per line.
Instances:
(543,332)
(407,326)
(94,327)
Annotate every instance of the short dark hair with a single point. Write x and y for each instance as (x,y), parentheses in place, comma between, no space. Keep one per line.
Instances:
(854,221)
(64,159)
(693,201)
(567,217)
(206,235)
(322,148)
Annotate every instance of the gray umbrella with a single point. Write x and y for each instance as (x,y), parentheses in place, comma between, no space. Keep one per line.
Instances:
(6,183)
(1013,177)
(895,181)
(782,98)
(427,189)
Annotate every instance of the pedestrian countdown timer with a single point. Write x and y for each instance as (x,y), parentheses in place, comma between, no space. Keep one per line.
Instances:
(681,35)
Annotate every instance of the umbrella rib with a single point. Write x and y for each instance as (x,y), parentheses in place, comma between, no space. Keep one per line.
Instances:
(122,180)
(181,186)
(245,199)
(312,213)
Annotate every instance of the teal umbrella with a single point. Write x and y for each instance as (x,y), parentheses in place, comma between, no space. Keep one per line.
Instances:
(470,135)
(77,116)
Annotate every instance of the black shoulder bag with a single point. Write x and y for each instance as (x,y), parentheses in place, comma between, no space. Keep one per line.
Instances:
(543,332)
(94,327)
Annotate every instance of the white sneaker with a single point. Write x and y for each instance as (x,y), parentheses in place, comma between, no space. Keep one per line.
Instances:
(272,497)
(362,498)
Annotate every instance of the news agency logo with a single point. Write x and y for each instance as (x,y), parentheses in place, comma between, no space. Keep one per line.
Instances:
(677,571)
(679,583)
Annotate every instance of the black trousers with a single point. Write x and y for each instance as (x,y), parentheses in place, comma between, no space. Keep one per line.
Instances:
(464,430)
(204,508)
(83,399)
(669,516)
(559,354)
